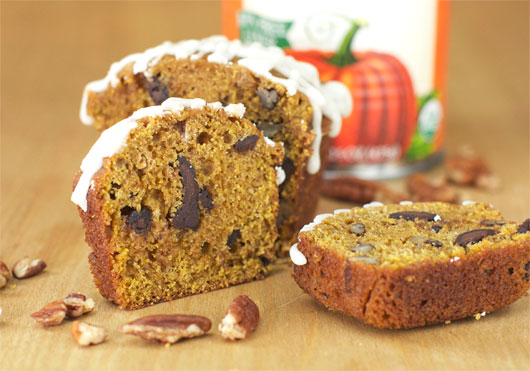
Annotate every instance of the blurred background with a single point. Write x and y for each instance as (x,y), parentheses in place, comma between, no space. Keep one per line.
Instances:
(50,50)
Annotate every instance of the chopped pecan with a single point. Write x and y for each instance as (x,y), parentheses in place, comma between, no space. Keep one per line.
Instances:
(25,268)
(51,314)
(86,334)
(4,274)
(467,168)
(168,328)
(359,190)
(422,190)
(78,304)
(241,319)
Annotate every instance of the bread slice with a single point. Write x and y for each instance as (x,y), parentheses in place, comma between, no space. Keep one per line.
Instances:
(409,265)
(179,199)
(282,96)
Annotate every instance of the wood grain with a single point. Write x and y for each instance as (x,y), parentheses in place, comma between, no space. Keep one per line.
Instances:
(51,49)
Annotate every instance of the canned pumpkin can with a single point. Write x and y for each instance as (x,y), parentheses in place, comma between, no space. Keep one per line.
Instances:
(390,54)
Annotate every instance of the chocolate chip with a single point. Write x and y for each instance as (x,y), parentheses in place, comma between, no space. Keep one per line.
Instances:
(205,199)
(491,222)
(472,237)
(435,243)
(358,229)
(180,126)
(268,97)
(269,128)
(157,90)
(288,168)
(411,215)
(524,227)
(265,261)
(246,144)
(362,247)
(140,221)
(234,236)
(188,215)
(436,228)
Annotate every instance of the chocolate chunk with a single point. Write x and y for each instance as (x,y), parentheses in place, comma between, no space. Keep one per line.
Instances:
(435,243)
(491,222)
(524,227)
(265,261)
(268,98)
(157,90)
(288,168)
(411,215)
(472,237)
(269,128)
(140,221)
(205,199)
(188,215)
(436,228)
(234,236)
(362,247)
(246,144)
(358,229)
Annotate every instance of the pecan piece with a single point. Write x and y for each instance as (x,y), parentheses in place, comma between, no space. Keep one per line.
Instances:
(524,227)
(25,268)
(51,314)
(86,334)
(157,91)
(466,167)
(78,304)
(359,190)
(422,190)
(267,97)
(168,328)
(242,317)
(4,274)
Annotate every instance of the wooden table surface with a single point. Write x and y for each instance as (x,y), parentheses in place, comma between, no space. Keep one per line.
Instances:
(50,50)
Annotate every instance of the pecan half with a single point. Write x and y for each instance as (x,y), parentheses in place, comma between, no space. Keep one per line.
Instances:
(25,268)
(466,167)
(78,304)
(4,270)
(242,317)
(51,314)
(86,334)
(168,328)
(359,190)
(422,190)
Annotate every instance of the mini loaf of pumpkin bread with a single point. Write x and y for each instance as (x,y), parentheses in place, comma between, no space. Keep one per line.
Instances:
(283,97)
(178,199)
(409,265)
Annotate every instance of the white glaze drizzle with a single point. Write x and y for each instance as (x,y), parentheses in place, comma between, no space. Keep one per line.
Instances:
(296,255)
(340,211)
(114,138)
(406,203)
(373,204)
(331,99)
(468,202)
(280,174)
(317,220)
(437,218)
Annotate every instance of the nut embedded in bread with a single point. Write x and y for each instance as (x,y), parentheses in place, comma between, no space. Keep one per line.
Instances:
(414,264)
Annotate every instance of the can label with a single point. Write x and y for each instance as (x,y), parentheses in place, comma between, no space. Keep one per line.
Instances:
(390,54)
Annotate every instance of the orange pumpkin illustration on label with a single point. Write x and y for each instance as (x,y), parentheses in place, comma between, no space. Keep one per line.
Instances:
(384,116)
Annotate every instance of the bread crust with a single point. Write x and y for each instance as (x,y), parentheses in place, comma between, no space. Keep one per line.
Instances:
(419,294)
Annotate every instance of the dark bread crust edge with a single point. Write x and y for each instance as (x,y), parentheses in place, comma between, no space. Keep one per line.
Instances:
(415,295)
